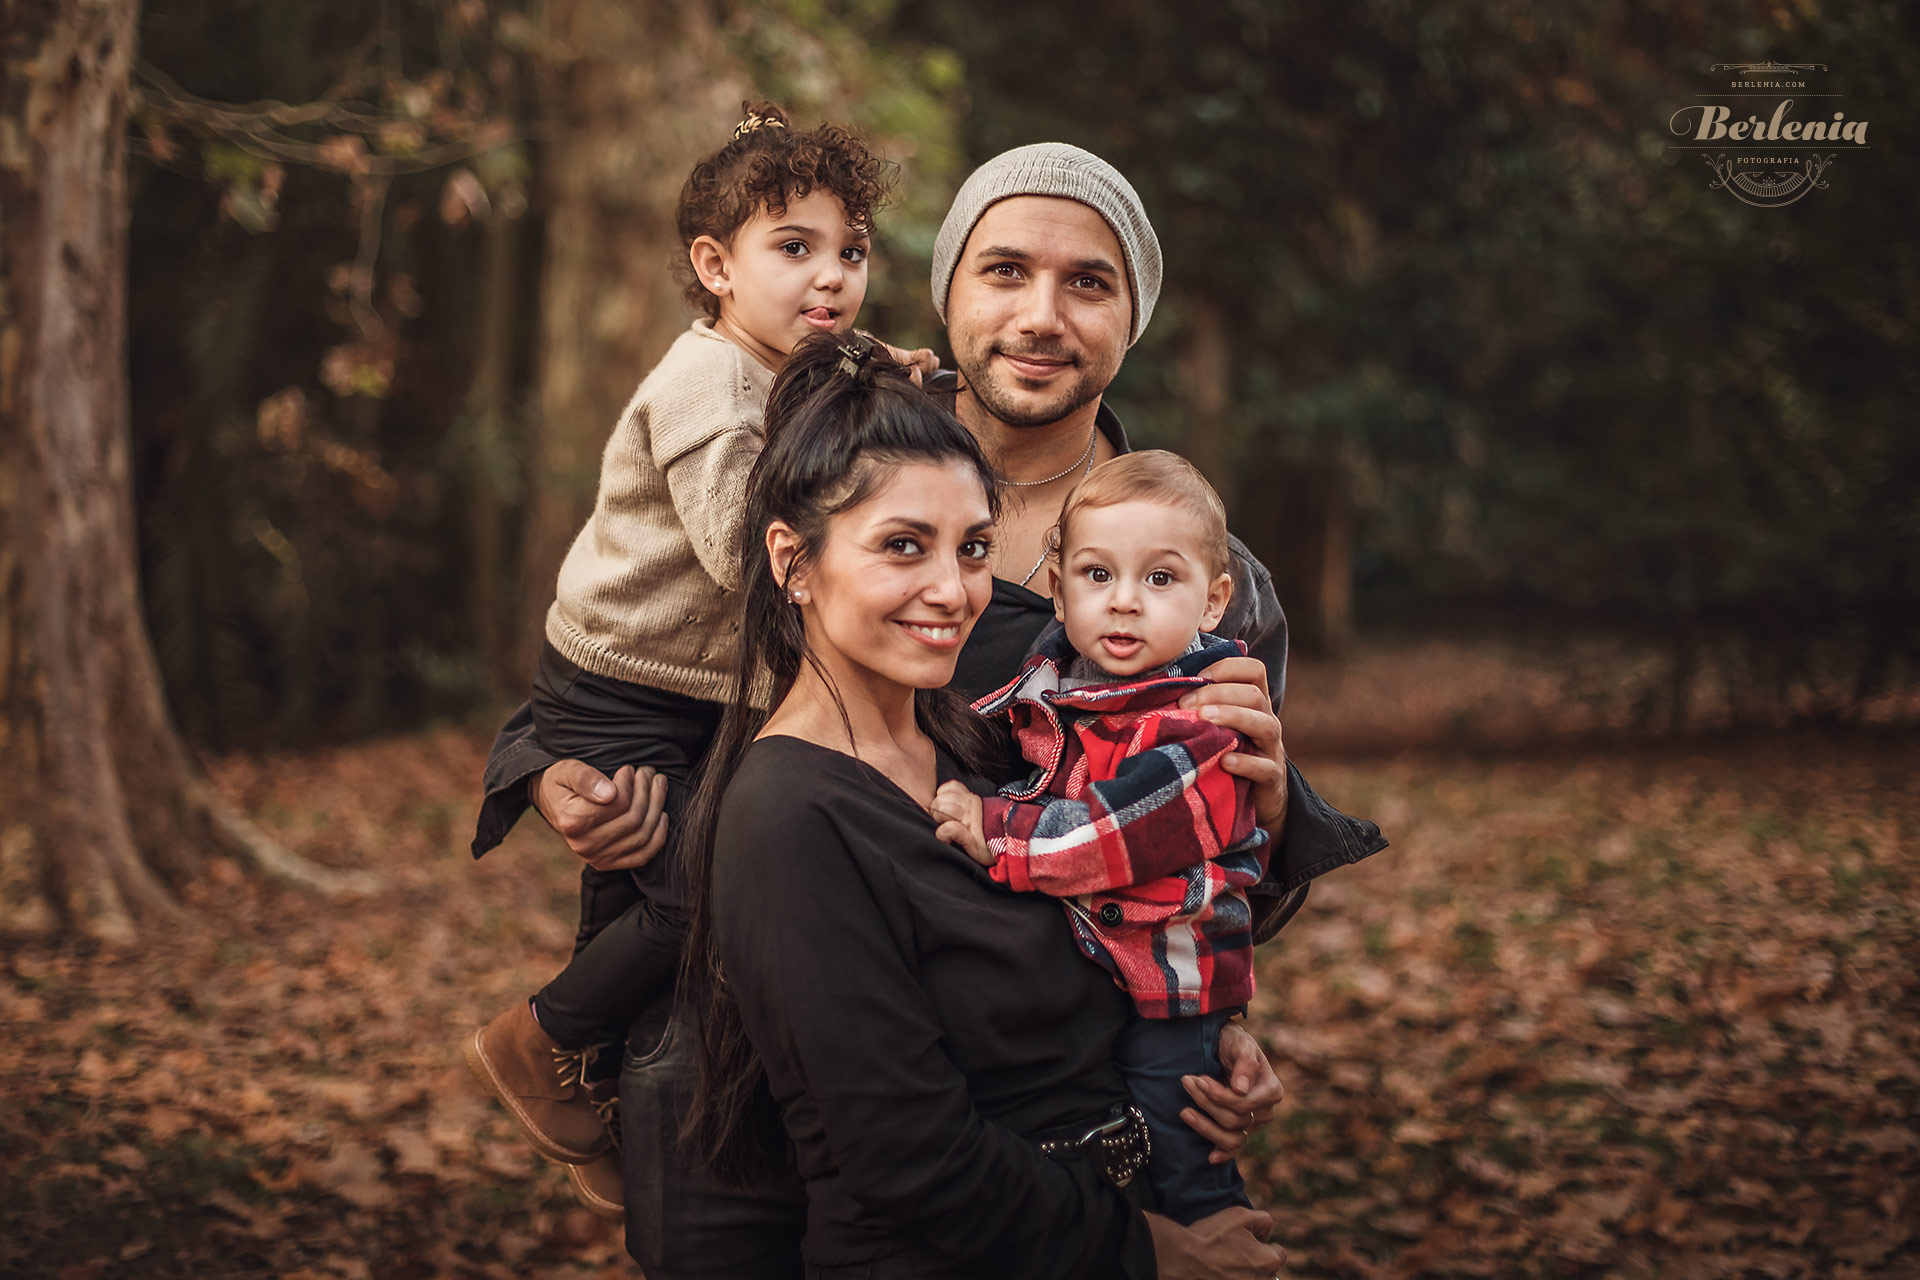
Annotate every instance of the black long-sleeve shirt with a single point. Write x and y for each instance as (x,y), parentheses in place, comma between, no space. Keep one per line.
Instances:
(919,1024)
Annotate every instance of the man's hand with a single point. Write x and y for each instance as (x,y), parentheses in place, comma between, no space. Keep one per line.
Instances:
(1238,699)
(1225,1113)
(963,825)
(615,824)
(1231,1243)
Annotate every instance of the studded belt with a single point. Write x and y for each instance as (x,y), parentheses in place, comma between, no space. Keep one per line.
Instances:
(1117,1147)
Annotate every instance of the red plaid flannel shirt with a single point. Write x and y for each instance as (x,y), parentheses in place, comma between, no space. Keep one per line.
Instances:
(1131,821)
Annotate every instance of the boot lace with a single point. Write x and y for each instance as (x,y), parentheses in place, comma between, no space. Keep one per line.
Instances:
(571,1066)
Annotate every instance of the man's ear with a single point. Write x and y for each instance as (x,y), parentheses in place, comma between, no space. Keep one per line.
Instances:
(712,264)
(1053,585)
(1219,591)
(783,545)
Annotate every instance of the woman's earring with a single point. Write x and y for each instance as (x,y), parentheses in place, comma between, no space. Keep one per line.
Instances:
(797,596)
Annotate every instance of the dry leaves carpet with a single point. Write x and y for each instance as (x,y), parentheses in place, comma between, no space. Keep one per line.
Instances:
(1639,1015)
(1600,1011)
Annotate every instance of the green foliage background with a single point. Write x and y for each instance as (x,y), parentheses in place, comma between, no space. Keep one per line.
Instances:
(1553,376)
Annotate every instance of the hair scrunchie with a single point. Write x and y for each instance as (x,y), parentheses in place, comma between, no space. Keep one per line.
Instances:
(754,121)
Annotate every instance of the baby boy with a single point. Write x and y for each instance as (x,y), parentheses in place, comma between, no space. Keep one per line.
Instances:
(1129,818)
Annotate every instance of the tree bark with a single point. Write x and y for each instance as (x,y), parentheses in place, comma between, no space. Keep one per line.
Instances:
(101,811)
(634,94)
(1303,531)
(1206,375)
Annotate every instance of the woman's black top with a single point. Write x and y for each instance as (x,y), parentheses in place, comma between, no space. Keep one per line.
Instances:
(919,1023)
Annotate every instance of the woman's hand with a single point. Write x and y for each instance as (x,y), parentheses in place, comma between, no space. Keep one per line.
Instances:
(1237,698)
(1231,1243)
(963,825)
(1225,1113)
(613,824)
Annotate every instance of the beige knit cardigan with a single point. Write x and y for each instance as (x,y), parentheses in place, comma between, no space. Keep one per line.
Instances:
(649,591)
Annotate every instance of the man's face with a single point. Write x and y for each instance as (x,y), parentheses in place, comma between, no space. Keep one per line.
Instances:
(1038,311)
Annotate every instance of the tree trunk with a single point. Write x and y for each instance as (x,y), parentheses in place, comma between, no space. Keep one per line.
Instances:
(634,94)
(1206,376)
(1304,534)
(101,812)
(488,413)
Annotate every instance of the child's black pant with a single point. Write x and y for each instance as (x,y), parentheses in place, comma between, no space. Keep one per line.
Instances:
(632,923)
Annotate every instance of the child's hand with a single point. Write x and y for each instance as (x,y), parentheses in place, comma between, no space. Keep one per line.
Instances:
(962,826)
(919,363)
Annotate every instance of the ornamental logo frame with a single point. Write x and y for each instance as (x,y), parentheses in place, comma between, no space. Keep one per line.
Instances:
(1771,133)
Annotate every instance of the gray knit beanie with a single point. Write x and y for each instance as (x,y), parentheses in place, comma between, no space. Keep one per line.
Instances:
(1055,169)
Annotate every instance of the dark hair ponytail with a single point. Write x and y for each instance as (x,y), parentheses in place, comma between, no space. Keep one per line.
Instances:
(841,415)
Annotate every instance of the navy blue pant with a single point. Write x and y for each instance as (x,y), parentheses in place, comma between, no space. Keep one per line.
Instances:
(682,1224)
(1153,1054)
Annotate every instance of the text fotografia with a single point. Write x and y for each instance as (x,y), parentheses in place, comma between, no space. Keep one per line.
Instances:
(1716,124)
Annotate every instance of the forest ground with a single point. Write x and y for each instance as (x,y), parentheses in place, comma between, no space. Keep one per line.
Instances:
(1609,1006)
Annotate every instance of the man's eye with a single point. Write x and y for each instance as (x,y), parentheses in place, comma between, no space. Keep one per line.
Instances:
(1004,270)
(1160,578)
(1090,282)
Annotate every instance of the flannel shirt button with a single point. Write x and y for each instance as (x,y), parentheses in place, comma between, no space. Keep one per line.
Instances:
(1111,914)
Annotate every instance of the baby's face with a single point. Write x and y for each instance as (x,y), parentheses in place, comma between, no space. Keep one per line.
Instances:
(1134,586)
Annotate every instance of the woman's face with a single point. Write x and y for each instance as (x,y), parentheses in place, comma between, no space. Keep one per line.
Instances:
(900,580)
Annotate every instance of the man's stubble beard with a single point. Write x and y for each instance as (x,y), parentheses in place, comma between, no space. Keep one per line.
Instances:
(1006,407)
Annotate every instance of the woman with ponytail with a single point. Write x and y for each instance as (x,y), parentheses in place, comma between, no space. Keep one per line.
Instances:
(926,1046)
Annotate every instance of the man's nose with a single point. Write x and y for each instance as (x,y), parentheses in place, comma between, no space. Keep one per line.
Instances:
(1040,310)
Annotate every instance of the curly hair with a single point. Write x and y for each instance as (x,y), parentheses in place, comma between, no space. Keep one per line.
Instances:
(768,163)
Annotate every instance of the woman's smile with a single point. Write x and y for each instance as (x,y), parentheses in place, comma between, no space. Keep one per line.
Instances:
(939,635)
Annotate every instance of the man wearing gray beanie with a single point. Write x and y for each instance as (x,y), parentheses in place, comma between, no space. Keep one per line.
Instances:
(1046,271)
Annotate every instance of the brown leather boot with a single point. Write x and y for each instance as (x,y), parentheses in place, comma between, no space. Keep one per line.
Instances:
(539,1084)
(598,1185)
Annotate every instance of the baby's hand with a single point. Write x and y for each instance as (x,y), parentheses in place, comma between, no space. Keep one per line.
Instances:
(962,826)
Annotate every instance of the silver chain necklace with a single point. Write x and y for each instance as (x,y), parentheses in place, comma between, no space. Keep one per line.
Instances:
(1085,460)
(1058,475)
